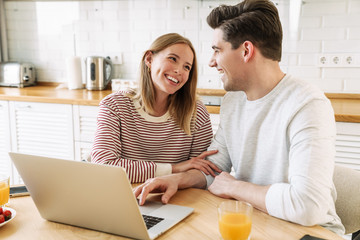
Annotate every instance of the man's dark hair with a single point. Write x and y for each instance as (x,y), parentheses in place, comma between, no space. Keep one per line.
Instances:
(256,21)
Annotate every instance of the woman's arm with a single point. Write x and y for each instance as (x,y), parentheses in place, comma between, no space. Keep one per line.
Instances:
(201,139)
(107,145)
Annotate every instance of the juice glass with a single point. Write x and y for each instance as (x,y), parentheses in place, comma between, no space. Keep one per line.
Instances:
(4,189)
(235,220)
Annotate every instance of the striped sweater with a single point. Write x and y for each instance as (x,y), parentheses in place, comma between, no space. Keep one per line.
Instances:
(144,145)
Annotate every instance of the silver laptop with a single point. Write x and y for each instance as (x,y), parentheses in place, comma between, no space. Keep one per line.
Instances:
(93,196)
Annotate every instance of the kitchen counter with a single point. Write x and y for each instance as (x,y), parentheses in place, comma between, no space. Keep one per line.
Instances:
(346,106)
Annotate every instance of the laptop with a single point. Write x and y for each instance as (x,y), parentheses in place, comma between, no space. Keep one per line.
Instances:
(93,196)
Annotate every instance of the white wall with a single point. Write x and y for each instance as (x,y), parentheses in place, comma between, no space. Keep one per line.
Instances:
(44,32)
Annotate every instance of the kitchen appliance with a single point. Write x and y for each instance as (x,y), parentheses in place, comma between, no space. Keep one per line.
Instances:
(98,72)
(15,74)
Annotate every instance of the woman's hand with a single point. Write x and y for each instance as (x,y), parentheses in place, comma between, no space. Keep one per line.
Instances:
(199,163)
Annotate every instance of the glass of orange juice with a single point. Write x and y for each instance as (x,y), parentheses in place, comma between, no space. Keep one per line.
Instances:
(235,220)
(4,189)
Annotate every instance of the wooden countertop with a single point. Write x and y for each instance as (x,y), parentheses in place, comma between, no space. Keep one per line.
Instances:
(52,94)
(346,106)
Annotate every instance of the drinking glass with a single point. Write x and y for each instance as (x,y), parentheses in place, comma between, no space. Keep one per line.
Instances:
(4,189)
(235,220)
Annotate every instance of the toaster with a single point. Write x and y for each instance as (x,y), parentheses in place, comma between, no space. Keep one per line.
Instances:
(15,74)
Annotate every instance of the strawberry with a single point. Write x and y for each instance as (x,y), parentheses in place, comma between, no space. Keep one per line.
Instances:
(1,210)
(2,218)
(7,215)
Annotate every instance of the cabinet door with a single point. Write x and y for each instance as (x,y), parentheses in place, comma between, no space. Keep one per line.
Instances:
(5,146)
(43,129)
(348,144)
(85,118)
(82,150)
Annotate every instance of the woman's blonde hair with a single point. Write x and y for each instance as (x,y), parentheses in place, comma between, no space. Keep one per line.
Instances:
(182,104)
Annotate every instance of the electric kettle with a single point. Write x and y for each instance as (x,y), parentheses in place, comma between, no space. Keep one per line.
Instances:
(98,72)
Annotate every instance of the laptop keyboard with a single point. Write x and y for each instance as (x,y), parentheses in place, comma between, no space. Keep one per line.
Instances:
(151,221)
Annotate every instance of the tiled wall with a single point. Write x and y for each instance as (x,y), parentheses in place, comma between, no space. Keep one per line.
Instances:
(44,33)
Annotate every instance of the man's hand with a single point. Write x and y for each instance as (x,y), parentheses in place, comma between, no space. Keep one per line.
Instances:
(226,186)
(222,185)
(199,163)
(166,184)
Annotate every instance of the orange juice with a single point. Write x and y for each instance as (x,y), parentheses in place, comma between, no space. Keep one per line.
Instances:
(4,193)
(235,226)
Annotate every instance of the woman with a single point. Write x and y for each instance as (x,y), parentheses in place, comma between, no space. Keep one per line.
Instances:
(161,128)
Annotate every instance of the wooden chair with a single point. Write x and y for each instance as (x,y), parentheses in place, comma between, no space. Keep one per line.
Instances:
(347,184)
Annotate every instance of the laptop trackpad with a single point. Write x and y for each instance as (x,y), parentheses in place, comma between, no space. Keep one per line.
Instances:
(150,207)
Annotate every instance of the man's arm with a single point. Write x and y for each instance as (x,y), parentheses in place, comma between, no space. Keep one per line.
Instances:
(170,184)
(226,186)
(308,196)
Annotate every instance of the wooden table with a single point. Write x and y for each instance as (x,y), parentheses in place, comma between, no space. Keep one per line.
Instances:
(202,224)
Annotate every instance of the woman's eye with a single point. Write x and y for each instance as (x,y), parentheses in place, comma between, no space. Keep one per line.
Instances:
(188,68)
(173,58)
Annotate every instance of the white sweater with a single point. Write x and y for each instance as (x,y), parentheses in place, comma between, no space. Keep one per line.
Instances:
(287,140)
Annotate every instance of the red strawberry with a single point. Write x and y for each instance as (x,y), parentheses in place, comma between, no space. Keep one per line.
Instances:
(1,210)
(2,218)
(7,215)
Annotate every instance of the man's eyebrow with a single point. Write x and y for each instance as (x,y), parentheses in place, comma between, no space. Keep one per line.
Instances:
(215,47)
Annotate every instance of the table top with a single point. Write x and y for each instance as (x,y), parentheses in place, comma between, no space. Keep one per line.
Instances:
(346,106)
(202,224)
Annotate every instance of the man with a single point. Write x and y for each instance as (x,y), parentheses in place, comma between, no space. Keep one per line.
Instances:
(276,131)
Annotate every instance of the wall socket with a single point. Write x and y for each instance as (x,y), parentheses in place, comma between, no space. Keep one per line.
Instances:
(340,60)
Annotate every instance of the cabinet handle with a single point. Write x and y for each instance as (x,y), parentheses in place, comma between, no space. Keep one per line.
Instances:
(23,107)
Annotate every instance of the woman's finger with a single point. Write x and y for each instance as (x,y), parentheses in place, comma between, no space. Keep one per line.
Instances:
(211,165)
(207,153)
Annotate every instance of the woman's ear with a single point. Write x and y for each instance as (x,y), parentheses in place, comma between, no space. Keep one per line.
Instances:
(248,50)
(148,58)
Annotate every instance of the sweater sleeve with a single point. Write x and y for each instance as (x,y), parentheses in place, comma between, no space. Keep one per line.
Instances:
(107,145)
(308,195)
(203,134)
(222,158)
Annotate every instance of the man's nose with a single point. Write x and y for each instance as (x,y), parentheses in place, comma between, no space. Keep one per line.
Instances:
(212,62)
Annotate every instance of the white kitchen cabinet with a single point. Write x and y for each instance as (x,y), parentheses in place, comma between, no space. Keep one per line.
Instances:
(43,129)
(348,144)
(85,118)
(6,166)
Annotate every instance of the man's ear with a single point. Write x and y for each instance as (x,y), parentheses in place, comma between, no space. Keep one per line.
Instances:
(248,50)
(148,58)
